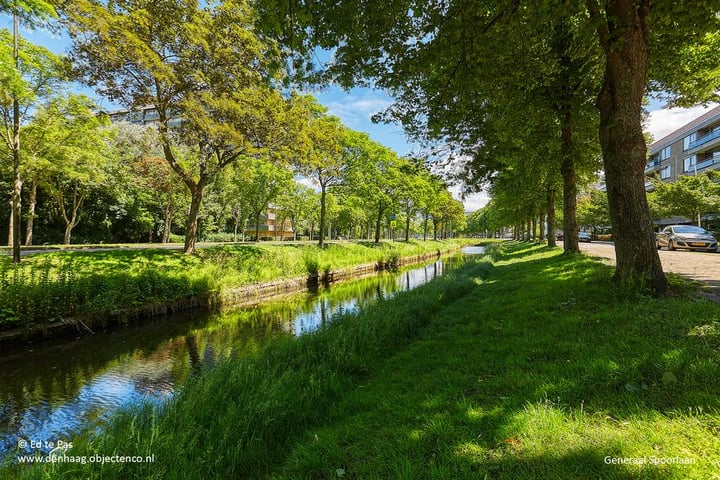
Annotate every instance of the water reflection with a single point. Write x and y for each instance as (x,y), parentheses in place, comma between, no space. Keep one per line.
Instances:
(58,387)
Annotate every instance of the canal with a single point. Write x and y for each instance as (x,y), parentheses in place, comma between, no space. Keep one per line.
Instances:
(53,389)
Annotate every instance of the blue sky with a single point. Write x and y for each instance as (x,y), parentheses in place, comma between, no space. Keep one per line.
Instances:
(356,107)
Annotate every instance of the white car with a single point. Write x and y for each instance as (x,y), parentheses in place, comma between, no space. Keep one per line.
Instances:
(584,237)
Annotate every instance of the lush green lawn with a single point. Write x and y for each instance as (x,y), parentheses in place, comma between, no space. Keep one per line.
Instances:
(544,371)
(536,367)
(61,284)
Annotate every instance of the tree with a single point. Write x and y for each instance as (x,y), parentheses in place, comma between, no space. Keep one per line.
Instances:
(593,209)
(139,151)
(31,74)
(642,43)
(413,193)
(374,175)
(690,196)
(72,170)
(206,71)
(628,31)
(324,162)
(64,131)
(264,181)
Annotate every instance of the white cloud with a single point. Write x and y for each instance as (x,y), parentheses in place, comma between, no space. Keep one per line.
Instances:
(472,201)
(355,110)
(475,201)
(663,121)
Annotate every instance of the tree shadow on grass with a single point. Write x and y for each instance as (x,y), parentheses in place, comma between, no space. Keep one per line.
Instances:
(548,371)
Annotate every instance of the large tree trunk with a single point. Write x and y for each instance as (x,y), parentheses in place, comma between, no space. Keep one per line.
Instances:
(31,213)
(17,180)
(541,236)
(407,229)
(624,40)
(378,220)
(567,169)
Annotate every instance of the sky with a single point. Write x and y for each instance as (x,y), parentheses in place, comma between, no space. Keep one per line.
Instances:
(355,108)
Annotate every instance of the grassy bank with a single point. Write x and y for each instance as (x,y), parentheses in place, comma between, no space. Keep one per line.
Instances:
(241,418)
(536,367)
(86,284)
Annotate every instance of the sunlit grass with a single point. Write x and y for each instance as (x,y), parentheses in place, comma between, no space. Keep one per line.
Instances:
(540,367)
(241,418)
(547,371)
(51,286)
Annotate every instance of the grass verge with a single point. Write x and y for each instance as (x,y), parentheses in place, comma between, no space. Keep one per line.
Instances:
(546,371)
(536,368)
(90,285)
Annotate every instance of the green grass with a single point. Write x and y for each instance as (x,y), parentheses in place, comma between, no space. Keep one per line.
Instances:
(55,285)
(245,414)
(537,367)
(544,371)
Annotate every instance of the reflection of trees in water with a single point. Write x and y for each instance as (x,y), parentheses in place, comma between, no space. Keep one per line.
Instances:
(159,355)
(193,354)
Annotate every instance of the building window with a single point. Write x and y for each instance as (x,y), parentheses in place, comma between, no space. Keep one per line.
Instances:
(688,140)
(135,117)
(665,173)
(151,114)
(665,153)
(689,163)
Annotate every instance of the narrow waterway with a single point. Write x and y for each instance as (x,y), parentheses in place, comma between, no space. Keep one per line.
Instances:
(53,389)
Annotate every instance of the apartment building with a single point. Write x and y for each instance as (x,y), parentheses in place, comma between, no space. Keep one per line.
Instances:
(693,148)
(269,227)
(141,116)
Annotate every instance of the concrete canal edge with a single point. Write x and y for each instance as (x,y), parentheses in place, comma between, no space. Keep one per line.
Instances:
(245,295)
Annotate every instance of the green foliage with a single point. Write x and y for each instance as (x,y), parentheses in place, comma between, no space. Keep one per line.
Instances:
(275,395)
(689,196)
(593,210)
(93,285)
(205,67)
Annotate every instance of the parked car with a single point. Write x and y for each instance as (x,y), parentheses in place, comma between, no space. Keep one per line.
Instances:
(584,237)
(686,236)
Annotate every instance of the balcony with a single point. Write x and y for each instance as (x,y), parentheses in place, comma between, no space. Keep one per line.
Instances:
(708,162)
(652,165)
(703,140)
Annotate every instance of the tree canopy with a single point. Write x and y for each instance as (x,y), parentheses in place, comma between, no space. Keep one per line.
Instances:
(450,62)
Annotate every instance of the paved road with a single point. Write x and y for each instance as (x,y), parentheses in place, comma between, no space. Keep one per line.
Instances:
(701,266)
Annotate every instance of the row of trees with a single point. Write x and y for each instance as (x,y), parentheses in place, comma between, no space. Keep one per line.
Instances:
(78,166)
(228,141)
(690,197)
(532,92)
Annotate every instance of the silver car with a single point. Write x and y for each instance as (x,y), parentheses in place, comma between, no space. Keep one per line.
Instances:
(584,237)
(686,236)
